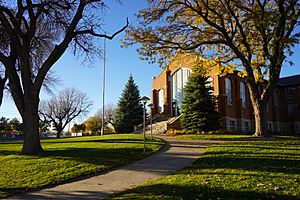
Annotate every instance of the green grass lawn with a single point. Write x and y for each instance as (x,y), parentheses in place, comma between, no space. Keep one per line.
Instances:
(253,169)
(228,137)
(65,159)
(224,137)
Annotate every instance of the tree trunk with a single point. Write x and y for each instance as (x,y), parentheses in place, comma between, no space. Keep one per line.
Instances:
(1,93)
(2,85)
(260,117)
(58,134)
(59,129)
(31,142)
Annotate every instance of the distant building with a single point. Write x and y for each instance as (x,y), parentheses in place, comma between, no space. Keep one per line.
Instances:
(234,106)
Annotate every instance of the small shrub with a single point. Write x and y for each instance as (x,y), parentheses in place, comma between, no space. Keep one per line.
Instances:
(173,132)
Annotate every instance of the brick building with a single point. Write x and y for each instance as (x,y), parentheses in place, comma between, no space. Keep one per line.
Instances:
(234,106)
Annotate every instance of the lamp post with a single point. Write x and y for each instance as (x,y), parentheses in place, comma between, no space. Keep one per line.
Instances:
(151,106)
(144,100)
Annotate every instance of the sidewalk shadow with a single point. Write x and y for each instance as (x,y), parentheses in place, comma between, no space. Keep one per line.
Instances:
(66,195)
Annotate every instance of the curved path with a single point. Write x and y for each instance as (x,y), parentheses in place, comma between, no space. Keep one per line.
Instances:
(175,155)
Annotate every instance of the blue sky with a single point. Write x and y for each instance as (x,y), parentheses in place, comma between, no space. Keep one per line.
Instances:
(120,63)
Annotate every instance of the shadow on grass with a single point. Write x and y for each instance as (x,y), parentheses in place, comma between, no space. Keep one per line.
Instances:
(107,159)
(249,164)
(239,138)
(12,190)
(257,156)
(77,152)
(88,155)
(75,140)
(80,194)
(117,141)
(276,148)
(11,142)
(171,191)
(9,152)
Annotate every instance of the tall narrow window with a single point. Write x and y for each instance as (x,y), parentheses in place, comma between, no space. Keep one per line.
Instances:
(231,125)
(179,80)
(276,98)
(210,82)
(289,93)
(161,101)
(246,126)
(228,90)
(243,94)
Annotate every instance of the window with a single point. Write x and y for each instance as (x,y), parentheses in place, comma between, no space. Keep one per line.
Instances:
(268,106)
(232,125)
(160,101)
(291,109)
(246,126)
(228,90)
(179,80)
(210,83)
(276,98)
(289,93)
(269,126)
(243,94)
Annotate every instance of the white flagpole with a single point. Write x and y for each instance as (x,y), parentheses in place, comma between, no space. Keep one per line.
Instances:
(103,89)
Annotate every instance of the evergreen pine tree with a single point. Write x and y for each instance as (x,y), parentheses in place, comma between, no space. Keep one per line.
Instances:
(198,106)
(129,110)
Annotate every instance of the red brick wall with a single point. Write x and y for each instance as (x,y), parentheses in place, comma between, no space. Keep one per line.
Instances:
(234,111)
(277,116)
(163,81)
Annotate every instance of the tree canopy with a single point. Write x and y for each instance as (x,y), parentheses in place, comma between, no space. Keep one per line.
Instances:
(76,128)
(253,36)
(93,124)
(34,36)
(10,125)
(4,127)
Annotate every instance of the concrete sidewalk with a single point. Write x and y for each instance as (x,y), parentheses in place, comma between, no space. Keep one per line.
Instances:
(175,155)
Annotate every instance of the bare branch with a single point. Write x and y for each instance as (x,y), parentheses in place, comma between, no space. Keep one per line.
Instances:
(93,33)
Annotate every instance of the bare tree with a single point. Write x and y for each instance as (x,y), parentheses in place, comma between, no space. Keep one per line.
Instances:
(38,33)
(60,110)
(254,36)
(109,114)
